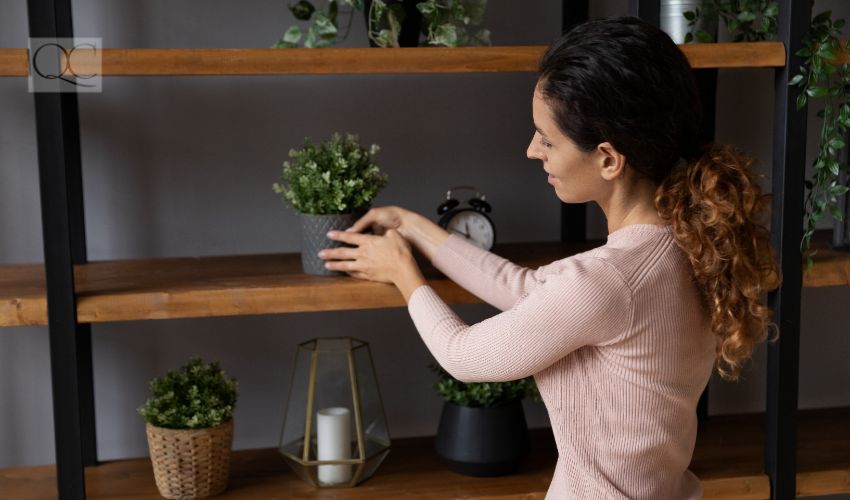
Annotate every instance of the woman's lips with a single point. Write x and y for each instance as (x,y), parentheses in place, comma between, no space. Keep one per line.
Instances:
(552,179)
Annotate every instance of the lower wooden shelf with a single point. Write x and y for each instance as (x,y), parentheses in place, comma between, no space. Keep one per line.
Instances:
(728,459)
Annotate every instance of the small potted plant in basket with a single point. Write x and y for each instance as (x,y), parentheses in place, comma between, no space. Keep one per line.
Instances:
(330,185)
(189,422)
(482,429)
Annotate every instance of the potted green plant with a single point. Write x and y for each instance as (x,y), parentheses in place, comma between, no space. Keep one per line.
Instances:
(482,430)
(323,23)
(189,425)
(330,185)
(393,23)
(822,78)
(745,20)
(450,22)
(389,23)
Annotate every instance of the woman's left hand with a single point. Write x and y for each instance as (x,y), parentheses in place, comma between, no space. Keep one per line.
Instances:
(386,259)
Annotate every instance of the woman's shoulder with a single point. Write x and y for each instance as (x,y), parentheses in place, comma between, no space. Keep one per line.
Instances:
(644,252)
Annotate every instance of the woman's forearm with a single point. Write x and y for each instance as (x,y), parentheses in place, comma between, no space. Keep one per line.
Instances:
(422,233)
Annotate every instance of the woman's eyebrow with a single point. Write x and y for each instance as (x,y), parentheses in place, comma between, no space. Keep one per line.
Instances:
(537,127)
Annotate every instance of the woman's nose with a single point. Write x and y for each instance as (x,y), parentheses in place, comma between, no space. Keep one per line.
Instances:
(532,152)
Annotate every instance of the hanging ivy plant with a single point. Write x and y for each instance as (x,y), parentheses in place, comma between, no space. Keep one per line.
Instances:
(821,79)
(745,20)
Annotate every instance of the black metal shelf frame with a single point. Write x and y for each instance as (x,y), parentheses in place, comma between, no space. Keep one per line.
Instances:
(63,227)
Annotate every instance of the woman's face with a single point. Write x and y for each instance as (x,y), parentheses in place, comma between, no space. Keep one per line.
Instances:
(571,171)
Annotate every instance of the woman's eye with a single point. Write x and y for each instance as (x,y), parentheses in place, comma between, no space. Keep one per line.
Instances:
(545,143)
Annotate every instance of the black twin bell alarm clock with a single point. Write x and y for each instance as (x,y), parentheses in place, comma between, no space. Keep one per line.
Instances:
(470,221)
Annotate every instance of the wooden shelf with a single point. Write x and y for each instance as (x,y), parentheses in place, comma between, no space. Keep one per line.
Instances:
(728,459)
(831,267)
(219,61)
(190,287)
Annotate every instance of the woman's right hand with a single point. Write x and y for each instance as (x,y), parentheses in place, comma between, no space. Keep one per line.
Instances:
(379,220)
(422,233)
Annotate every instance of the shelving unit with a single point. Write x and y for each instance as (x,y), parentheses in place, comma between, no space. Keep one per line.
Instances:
(728,459)
(68,293)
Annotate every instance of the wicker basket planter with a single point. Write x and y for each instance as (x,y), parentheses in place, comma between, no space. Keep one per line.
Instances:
(190,463)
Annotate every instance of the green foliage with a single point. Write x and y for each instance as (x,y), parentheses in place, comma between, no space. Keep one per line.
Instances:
(323,26)
(337,176)
(484,394)
(445,22)
(448,22)
(822,80)
(194,396)
(747,20)
(385,20)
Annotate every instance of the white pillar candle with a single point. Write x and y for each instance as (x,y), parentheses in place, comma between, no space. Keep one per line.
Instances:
(333,439)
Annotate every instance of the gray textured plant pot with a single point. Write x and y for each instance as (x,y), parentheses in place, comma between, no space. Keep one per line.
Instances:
(482,442)
(314,229)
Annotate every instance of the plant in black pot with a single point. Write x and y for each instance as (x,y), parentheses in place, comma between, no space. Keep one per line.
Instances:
(482,429)
(330,185)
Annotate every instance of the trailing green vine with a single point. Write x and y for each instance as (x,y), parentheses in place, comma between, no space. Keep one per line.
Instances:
(822,78)
(746,20)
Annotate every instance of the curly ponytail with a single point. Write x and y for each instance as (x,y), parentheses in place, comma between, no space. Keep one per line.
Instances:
(716,208)
(623,81)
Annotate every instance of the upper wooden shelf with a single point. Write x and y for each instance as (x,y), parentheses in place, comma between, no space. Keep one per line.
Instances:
(190,287)
(197,62)
(728,459)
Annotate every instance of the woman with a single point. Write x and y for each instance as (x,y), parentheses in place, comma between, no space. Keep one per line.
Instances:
(622,339)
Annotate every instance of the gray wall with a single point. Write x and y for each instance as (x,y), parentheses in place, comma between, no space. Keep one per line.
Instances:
(184,166)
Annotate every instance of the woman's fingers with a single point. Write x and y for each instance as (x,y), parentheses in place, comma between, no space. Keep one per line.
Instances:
(340,253)
(362,223)
(352,238)
(347,266)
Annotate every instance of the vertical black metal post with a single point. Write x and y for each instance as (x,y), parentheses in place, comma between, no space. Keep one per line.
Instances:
(573,215)
(789,157)
(648,10)
(60,179)
(707,84)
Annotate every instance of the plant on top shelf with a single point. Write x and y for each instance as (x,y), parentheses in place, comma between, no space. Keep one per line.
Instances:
(391,23)
(190,428)
(330,185)
(482,430)
(323,28)
(745,20)
(822,78)
(449,22)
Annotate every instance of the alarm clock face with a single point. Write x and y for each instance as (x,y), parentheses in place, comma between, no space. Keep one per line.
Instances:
(474,226)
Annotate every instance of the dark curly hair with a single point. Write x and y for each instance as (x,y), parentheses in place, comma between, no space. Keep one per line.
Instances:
(623,81)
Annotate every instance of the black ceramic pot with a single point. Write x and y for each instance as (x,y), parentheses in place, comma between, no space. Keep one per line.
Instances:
(482,442)
(411,26)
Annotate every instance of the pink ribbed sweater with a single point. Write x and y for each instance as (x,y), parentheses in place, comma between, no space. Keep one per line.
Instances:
(619,346)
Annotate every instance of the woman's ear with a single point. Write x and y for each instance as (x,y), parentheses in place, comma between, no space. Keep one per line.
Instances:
(611,162)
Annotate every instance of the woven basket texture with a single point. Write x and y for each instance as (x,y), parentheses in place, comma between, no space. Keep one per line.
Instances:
(190,463)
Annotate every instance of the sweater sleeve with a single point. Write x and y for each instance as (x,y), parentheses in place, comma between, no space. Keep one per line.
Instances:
(493,279)
(587,303)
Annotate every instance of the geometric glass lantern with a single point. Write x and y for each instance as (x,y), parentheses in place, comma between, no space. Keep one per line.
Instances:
(334,428)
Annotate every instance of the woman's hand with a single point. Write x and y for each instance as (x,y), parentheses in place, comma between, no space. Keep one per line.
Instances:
(381,219)
(386,259)
(419,231)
